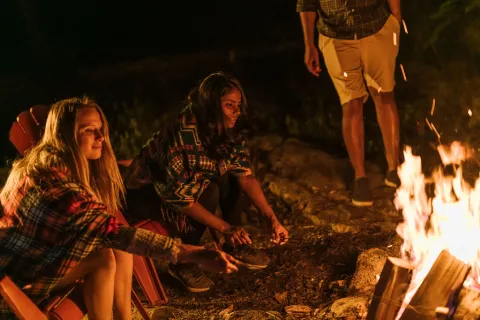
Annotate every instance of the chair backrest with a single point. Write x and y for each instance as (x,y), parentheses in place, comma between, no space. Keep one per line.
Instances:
(21,305)
(29,127)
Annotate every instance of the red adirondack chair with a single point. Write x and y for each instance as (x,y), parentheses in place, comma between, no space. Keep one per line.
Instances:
(24,133)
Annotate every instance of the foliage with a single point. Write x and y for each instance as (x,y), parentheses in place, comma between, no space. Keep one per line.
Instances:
(133,125)
(457,20)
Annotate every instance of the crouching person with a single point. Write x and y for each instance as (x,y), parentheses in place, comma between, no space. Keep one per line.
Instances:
(197,164)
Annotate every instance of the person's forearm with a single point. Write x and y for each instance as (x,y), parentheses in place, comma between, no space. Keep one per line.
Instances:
(395,8)
(202,215)
(308,27)
(149,244)
(252,189)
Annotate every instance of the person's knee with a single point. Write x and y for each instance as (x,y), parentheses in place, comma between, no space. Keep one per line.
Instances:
(387,97)
(105,259)
(353,108)
(123,261)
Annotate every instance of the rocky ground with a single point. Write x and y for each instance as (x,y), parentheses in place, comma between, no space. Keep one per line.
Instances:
(309,274)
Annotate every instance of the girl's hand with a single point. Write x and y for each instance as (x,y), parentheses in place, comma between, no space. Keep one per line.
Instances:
(237,236)
(279,233)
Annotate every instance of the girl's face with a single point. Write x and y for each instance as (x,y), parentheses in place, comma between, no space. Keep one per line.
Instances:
(89,133)
(231,106)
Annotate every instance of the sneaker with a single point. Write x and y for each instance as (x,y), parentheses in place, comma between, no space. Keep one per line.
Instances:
(190,275)
(392,179)
(247,256)
(362,195)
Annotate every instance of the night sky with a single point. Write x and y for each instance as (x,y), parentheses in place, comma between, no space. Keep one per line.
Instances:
(45,43)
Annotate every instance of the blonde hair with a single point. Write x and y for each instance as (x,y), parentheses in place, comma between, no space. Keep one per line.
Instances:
(59,148)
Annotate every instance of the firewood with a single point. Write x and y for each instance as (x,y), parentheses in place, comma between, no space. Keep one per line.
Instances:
(439,288)
(390,289)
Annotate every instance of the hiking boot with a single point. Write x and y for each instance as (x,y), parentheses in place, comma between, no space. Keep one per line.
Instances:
(247,256)
(362,194)
(190,275)
(392,179)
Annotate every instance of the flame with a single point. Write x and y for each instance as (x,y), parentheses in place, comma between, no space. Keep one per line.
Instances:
(448,221)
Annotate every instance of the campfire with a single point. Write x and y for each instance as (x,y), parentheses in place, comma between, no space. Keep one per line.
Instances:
(441,233)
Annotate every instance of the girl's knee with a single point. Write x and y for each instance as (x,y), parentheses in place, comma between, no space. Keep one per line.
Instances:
(105,259)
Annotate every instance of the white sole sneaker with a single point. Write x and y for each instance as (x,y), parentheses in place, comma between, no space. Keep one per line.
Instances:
(194,290)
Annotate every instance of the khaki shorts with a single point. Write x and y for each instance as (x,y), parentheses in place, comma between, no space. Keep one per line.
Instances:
(351,63)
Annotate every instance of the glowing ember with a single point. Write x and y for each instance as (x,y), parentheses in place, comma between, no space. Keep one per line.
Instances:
(395,39)
(433,107)
(345,74)
(403,73)
(470,112)
(450,220)
(405,26)
(432,127)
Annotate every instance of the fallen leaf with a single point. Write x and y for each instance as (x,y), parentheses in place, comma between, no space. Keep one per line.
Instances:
(297,309)
(225,313)
(281,297)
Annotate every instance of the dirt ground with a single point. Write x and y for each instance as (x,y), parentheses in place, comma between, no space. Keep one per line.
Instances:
(313,269)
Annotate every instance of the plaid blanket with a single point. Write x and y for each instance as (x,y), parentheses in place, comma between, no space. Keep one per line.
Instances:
(46,230)
(184,173)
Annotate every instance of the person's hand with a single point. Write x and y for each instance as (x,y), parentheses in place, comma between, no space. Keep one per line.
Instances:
(279,233)
(398,16)
(209,259)
(215,261)
(237,236)
(312,61)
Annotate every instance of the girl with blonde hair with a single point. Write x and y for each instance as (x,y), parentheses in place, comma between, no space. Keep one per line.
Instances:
(59,225)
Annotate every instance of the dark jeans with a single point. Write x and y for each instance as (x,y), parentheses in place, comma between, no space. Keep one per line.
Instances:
(144,203)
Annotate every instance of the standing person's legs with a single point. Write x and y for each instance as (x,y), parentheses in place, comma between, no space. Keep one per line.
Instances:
(344,65)
(379,53)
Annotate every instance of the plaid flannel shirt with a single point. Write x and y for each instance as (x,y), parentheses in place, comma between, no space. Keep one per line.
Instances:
(50,227)
(347,19)
(187,170)
(46,230)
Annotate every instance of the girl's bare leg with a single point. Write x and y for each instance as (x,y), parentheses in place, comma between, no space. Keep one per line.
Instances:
(122,302)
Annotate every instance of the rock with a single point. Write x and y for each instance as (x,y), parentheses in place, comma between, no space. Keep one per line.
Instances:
(266,143)
(338,284)
(338,195)
(369,265)
(343,228)
(315,220)
(350,307)
(295,194)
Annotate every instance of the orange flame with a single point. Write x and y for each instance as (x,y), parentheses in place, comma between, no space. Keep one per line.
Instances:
(450,220)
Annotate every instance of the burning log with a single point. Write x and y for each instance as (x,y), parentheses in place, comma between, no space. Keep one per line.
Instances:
(390,289)
(435,298)
(439,288)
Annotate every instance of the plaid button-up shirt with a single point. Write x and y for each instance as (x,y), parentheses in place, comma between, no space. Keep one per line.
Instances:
(347,19)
